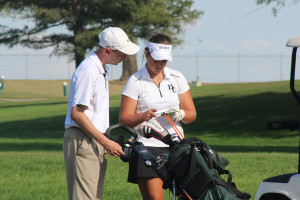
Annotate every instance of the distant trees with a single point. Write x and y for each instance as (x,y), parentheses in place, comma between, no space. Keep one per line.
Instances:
(278,4)
(72,26)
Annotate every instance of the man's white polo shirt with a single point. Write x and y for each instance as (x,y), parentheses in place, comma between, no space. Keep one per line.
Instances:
(89,87)
(140,87)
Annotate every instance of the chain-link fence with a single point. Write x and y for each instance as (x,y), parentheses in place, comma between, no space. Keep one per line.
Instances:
(204,68)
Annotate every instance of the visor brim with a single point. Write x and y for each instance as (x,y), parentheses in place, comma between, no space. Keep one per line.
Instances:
(160,55)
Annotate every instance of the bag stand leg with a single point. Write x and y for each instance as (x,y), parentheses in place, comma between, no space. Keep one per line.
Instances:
(174,190)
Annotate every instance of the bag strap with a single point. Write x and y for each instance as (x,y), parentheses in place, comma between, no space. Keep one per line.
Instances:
(229,176)
(196,143)
(192,163)
(242,195)
(193,160)
(189,140)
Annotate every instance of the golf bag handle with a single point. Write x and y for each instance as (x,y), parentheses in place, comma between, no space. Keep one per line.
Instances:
(292,78)
(124,127)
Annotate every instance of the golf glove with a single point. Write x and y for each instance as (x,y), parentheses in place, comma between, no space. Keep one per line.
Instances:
(176,114)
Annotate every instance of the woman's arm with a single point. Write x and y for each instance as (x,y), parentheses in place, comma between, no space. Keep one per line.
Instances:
(187,104)
(128,115)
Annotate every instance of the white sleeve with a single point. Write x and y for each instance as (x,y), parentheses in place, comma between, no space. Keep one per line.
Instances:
(183,84)
(83,91)
(131,89)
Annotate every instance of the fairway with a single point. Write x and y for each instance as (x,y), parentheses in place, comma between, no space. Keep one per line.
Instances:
(231,118)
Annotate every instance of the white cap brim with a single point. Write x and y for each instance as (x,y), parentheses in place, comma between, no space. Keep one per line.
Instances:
(116,39)
(131,49)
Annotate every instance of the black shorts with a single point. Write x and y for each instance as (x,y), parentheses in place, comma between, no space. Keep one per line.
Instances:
(137,168)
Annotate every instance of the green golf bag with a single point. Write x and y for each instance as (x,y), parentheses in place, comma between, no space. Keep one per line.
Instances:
(198,169)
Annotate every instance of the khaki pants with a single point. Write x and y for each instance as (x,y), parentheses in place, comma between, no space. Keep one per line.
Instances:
(85,162)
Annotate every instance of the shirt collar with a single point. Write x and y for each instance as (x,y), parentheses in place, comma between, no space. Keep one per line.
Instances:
(96,60)
(146,75)
(167,73)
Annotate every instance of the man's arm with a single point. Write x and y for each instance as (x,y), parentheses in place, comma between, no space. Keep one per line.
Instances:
(87,126)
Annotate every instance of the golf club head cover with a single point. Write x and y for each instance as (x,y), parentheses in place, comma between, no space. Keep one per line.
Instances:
(153,128)
(176,114)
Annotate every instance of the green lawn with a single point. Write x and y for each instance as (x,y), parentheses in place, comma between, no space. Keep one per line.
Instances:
(231,119)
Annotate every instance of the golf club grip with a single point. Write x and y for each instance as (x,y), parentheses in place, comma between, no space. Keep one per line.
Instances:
(124,127)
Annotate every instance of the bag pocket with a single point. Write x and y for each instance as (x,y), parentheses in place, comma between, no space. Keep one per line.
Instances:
(181,170)
(198,184)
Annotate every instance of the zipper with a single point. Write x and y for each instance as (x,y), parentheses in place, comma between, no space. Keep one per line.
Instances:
(158,87)
(159,92)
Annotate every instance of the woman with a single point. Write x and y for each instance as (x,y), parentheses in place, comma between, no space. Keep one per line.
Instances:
(155,88)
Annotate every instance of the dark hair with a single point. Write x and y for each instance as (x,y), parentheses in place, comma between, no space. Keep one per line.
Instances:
(160,39)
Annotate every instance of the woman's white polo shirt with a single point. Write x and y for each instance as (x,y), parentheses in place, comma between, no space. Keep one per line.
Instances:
(141,88)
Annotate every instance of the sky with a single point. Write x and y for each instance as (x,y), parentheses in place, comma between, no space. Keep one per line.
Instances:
(231,27)
(241,26)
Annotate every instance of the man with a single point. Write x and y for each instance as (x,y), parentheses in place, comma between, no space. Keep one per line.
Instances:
(85,146)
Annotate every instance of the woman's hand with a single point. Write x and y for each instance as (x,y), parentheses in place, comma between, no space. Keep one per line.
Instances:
(147,115)
(128,115)
(176,114)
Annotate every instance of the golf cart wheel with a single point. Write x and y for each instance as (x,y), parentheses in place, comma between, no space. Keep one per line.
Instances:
(274,196)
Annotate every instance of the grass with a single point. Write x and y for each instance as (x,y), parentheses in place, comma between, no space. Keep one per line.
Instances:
(231,119)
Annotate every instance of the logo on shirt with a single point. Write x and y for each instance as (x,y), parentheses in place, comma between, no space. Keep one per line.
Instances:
(171,87)
(163,48)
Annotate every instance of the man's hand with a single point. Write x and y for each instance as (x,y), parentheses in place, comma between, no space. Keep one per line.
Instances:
(113,148)
(176,114)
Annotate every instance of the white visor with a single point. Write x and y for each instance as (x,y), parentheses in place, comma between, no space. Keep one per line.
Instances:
(160,51)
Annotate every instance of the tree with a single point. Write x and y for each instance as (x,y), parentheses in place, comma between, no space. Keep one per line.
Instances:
(83,20)
(278,4)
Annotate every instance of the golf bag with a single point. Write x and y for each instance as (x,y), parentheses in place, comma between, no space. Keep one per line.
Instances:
(198,169)
(193,168)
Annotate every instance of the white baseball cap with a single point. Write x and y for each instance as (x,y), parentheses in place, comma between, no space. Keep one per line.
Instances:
(160,51)
(116,39)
